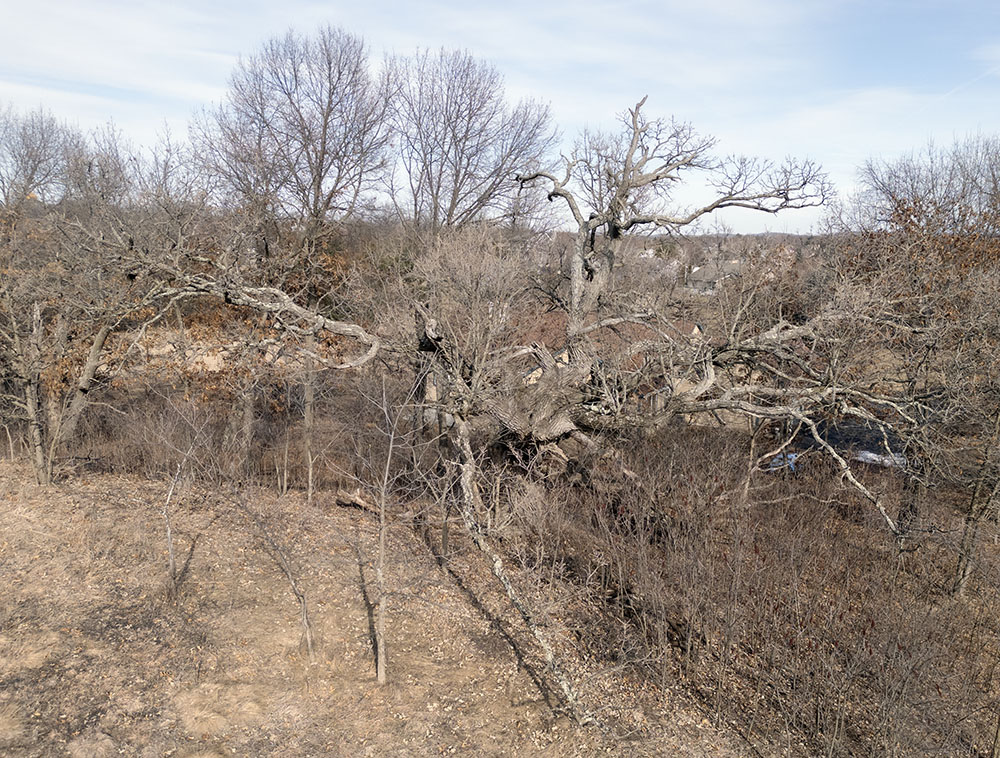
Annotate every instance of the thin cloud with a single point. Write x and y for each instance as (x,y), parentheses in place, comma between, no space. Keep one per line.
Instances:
(770,78)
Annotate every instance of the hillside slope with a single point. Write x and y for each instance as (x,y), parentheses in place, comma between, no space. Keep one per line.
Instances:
(95,660)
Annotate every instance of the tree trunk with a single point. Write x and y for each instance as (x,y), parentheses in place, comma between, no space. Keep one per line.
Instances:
(980,508)
(246,435)
(84,383)
(31,375)
(36,431)
(380,609)
(906,517)
(165,512)
(309,398)
(51,401)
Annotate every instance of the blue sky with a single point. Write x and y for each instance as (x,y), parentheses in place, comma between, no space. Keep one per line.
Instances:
(839,81)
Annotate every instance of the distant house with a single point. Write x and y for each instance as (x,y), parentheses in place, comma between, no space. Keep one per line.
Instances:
(707,279)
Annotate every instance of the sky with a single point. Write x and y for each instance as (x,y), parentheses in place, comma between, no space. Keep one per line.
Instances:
(836,81)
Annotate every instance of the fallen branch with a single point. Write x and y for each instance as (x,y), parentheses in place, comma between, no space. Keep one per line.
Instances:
(354,499)
(471,504)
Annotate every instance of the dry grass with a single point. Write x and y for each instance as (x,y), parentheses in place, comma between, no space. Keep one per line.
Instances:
(97,745)
(211,709)
(95,660)
(25,654)
(11,725)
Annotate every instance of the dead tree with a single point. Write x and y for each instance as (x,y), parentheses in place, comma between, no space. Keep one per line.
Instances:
(614,344)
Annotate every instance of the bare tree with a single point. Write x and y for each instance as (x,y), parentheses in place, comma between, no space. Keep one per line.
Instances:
(928,247)
(460,143)
(33,152)
(300,138)
(563,395)
(614,184)
(618,184)
(69,245)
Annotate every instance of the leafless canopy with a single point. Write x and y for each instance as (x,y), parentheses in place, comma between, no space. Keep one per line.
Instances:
(32,157)
(624,180)
(460,142)
(938,190)
(302,133)
(617,183)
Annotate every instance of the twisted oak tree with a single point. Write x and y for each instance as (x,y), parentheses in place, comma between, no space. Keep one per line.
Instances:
(620,347)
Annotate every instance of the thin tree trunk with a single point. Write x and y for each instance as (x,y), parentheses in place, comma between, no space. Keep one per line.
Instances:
(968,547)
(165,512)
(36,432)
(576,316)
(54,410)
(246,436)
(381,661)
(78,402)
(283,475)
(309,393)
(445,502)
(907,516)
(33,401)
(380,610)
(180,323)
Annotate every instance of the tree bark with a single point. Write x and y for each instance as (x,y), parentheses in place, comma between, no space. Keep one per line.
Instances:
(380,609)
(246,433)
(33,401)
(309,421)
(36,431)
(471,505)
(84,383)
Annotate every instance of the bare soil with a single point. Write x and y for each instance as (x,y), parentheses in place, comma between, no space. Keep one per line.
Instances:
(97,660)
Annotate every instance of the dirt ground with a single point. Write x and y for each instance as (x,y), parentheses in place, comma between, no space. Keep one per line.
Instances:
(96,660)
